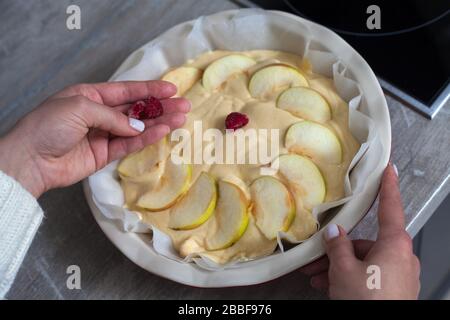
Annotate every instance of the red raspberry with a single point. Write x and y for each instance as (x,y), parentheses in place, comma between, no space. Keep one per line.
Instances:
(137,110)
(153,107)
(149,108)
(236,120)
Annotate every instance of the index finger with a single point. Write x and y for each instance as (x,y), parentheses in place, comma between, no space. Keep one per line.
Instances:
(116,93)
(121,92)
(391,218)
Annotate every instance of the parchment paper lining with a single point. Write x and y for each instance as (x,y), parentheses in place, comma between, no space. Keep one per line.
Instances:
(248,30)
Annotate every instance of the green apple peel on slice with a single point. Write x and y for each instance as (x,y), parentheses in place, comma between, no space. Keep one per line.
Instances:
(231,216)
(304,179)
(305,103)
(172,185)
(220,70)
(197,206)
(270,79)
(183,77)
(315,141)
(145,161)
(273,206)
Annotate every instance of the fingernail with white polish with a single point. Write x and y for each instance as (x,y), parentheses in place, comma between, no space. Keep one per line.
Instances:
(331,232)
(395,169)
(136,124)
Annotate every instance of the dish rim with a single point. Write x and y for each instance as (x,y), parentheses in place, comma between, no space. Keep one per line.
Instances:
(138,248)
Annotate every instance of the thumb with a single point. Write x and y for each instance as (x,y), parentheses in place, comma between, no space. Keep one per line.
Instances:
(99,116)
(339,247)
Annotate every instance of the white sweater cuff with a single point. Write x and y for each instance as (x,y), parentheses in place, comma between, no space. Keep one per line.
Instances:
(20,217)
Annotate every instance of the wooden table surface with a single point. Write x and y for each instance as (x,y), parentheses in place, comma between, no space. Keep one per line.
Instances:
(39,56)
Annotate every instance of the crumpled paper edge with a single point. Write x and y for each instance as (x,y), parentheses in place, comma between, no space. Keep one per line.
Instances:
(154,58)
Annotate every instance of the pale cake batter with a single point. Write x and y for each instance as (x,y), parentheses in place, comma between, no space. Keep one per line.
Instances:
(212,106)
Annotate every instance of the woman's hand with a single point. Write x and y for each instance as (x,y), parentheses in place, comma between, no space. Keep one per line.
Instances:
(344,273)
(81,129)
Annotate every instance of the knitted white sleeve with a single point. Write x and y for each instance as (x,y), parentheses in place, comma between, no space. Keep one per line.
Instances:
(20,217)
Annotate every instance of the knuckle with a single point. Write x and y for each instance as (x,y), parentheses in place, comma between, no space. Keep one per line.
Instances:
(343,263)
(79,88)
(404,241)
(87,90)
(73,90)
(80,101)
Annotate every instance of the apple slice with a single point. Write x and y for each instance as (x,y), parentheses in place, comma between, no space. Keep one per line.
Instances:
(183,77)
(304,179)
(305,103)
(173,184)
(271,79)
(139,165)
(231,217)
(196,206)
(314,140)
(274,208)
(220,70)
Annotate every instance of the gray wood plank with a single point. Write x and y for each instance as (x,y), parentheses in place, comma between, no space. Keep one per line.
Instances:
(39,56)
